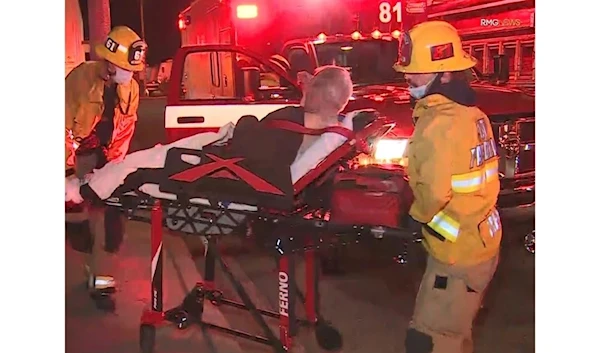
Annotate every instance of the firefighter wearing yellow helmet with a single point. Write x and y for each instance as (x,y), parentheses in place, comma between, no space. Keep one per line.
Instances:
(101,102)
(268,78)
(453,172)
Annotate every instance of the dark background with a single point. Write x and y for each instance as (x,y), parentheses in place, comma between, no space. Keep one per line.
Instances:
(160,22)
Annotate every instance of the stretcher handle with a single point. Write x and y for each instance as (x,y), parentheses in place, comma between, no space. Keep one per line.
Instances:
(295,127)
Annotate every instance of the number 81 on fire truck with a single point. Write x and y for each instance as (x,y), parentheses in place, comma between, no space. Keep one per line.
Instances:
(387,12)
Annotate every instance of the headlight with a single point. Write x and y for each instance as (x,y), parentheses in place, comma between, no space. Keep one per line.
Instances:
(390,150)
(387,151)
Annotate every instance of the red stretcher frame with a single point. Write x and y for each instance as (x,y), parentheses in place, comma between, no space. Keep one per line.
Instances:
(155,315)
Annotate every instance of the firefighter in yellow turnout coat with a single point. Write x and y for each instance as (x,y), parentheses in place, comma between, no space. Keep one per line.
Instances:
(101,99)
(453,172)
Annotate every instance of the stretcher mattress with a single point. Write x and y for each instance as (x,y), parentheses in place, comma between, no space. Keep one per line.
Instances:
(106,180)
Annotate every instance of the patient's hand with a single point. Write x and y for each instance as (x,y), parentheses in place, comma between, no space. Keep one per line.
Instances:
(354,113)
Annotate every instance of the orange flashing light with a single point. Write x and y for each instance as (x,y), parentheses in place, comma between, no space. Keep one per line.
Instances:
(246,11)
(355,35)
(376,34)
(396,34)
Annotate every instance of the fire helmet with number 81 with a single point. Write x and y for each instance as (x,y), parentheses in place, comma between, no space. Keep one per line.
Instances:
(431,47)
(123,48)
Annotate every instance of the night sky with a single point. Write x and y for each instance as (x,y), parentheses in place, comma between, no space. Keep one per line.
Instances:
(162,34)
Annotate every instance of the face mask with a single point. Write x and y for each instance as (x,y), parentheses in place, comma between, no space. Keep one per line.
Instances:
(419,92)
(122,76)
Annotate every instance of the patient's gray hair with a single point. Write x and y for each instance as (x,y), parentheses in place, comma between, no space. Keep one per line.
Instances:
(328,92)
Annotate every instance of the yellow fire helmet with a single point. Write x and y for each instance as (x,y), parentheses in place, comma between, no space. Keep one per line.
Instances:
(430,47)
(124,48)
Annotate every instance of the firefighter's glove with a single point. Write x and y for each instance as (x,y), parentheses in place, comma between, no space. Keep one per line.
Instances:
(368,113)
(72,194)
(416,228)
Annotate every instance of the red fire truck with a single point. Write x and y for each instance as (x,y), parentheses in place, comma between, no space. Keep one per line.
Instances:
(265,25)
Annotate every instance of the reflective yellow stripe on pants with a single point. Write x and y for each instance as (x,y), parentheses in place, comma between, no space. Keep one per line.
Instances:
(445,226)
(473,181)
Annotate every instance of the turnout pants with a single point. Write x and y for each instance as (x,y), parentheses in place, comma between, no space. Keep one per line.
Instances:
(95,231)
(447,303)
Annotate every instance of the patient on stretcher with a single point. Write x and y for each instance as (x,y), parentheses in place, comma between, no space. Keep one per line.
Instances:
(278,157)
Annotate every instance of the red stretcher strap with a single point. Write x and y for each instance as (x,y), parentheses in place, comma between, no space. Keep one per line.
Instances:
(295,127)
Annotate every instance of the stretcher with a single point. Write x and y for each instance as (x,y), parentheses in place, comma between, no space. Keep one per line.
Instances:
(178,200)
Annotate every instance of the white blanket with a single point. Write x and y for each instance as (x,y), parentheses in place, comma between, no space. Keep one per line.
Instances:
(106,180)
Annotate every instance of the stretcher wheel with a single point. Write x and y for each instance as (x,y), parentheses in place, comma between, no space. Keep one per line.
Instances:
(179,318)
(183,323)
(147,338)
(328,337)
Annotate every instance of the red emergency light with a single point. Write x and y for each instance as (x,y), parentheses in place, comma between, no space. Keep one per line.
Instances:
(245,12)
(183,22)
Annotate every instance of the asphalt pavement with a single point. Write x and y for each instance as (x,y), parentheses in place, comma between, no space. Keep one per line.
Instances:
(370,302)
